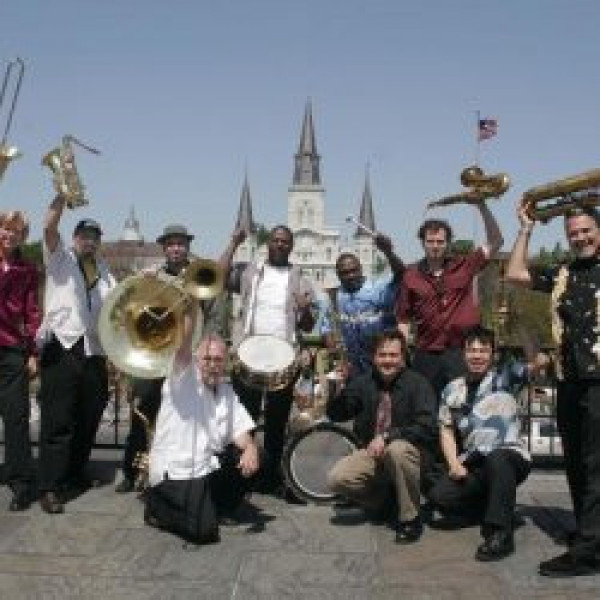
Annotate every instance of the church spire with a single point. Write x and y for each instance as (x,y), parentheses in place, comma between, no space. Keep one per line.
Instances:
(244,218)
(131,228)
(306,168)
(366,216)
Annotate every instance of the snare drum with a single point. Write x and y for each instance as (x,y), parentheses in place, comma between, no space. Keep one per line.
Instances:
(266,362)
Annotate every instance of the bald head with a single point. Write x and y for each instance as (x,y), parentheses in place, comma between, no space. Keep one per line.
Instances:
(212,357)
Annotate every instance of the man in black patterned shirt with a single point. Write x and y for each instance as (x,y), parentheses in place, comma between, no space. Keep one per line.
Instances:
(575,304)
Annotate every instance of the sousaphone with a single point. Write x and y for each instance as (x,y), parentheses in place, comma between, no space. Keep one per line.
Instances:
(141,320)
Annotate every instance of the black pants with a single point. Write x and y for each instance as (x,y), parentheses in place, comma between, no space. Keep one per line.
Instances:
(73,396)
(489,490)
(277,411)
(439,368)
(147,396)
(191,507)
(14,408)
(578,419)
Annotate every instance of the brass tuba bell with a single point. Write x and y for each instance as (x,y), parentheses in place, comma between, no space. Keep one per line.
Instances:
(10,153)
(61,161)
(141,320)
(557,198)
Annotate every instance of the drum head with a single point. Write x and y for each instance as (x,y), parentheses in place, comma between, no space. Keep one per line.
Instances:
(266,354)
(310,456)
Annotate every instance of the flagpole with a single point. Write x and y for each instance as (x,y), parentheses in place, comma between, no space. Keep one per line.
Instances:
(477,159)
(478,147)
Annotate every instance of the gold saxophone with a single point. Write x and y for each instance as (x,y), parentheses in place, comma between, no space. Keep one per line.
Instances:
(61,161)
(480,187)
(141,461)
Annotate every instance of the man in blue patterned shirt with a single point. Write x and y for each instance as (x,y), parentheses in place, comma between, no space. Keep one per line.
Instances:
(362,308)
(480,440)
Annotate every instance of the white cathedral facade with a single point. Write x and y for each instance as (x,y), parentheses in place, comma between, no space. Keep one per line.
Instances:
(316,246)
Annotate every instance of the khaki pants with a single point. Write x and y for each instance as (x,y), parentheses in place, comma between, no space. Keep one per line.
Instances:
(366,480)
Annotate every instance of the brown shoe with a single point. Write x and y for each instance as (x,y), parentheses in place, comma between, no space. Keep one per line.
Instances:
(51,503)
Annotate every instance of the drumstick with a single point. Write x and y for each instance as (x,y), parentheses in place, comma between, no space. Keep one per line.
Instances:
(352,219)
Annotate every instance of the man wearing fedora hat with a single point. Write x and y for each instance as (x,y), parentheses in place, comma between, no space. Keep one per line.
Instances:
(175,241)
(73,370)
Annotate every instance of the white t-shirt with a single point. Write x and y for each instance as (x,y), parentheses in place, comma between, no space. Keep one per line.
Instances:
(193,424)
(70,312)
(269,308)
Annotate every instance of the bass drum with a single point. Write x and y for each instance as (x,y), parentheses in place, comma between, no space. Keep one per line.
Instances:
(310,455)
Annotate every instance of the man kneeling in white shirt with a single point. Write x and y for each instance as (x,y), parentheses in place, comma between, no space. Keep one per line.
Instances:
(203,455)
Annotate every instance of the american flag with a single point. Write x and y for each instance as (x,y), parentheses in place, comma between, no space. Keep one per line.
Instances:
(488,128)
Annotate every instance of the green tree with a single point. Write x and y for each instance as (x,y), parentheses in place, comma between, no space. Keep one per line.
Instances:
(262,234)
(459,247)
(33,252)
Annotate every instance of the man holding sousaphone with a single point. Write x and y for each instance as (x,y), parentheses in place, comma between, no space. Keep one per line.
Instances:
(574,290)
(74,378)
(275,303)
(175,241)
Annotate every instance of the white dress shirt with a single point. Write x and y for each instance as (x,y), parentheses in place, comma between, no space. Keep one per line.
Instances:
(194,423)
(70,310)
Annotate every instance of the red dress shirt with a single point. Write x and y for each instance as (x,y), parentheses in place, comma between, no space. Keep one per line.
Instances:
(443,307)
(19,308)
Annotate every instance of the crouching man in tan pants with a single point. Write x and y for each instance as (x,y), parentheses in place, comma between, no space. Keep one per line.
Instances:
(394,412)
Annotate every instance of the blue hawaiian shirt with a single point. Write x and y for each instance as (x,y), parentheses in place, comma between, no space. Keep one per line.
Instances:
(490,420)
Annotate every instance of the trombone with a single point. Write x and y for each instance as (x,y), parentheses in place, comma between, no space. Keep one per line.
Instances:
(9,153)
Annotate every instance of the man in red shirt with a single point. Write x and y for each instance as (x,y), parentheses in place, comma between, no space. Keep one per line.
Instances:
(19,320)
(438,296)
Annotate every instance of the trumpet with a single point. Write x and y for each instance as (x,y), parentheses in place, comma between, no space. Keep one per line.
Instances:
(563,196)
(481,187)
(61,161)
(10,153)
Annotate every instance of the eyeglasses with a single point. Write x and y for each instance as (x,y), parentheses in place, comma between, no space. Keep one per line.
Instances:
(214,359)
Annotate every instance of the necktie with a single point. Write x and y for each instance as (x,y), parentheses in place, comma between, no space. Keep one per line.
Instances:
(383,421)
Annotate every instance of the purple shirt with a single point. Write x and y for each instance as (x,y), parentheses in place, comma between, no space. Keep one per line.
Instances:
(19,309)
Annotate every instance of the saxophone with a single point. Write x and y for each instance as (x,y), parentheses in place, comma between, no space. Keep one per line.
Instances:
(61,161)
(141,461)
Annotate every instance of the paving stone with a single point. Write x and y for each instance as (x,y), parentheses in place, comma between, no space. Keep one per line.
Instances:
(266,571)
(13,587)
(101,548)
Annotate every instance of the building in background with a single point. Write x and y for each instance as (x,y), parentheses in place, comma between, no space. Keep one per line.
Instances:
(131,252)
(316,245)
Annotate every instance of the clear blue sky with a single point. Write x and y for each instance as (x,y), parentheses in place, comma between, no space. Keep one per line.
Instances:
(180,95)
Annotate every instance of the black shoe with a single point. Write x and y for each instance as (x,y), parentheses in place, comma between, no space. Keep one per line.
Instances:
(21,500)
(496,546)
(51,503)
(451,522)
(409,532)
(125,486)
(151,520)
(569,565)
(80,484)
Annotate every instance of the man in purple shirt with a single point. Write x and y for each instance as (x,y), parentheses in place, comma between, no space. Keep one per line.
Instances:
(19,320)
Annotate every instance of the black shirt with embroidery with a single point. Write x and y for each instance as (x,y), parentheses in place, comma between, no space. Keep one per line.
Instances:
(578,309)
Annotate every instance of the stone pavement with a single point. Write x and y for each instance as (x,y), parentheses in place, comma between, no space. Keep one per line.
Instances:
(101,549)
